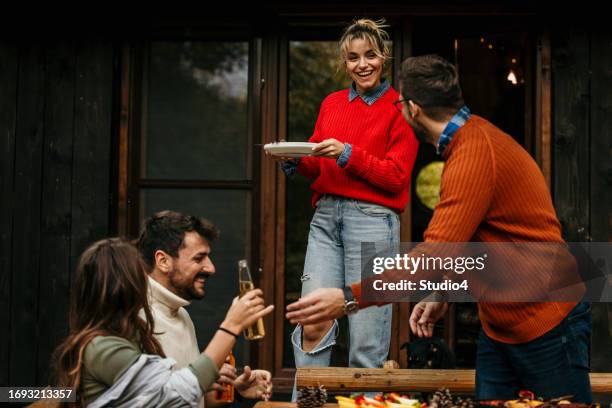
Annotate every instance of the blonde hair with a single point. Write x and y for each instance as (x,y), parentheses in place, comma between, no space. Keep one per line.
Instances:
(369,30)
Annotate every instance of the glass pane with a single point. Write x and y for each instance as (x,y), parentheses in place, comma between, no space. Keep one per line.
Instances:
(495,73)
(493,70)
(229,211)
(196,108)
(313,74)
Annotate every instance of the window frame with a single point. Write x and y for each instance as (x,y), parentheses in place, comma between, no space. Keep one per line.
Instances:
(131,125)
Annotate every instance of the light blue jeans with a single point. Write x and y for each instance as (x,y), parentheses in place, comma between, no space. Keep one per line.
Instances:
(334,260)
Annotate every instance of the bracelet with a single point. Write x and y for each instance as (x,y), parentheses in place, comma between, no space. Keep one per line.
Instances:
(231,333)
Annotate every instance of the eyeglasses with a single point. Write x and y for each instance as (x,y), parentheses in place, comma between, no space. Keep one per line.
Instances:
(397,105)
(400,108)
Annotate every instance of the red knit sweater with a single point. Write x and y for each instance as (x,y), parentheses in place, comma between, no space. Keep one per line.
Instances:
(493,191)
(384,150)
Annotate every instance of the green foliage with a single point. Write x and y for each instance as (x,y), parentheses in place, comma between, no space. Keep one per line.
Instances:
(197,121)
(313,74)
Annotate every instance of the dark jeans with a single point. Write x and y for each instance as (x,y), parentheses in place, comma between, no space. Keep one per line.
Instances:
(553,365)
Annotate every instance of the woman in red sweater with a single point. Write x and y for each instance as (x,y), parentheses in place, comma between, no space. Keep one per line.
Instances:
(360,169)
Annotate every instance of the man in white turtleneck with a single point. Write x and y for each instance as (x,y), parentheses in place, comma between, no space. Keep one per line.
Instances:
(177,251)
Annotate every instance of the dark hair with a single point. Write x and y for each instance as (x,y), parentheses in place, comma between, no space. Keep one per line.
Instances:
(108,292)
(433,83)
(166,230)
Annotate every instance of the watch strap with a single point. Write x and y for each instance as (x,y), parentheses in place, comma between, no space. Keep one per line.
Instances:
(348,294)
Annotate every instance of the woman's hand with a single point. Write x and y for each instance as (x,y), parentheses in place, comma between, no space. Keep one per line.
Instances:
(254,384)
(245,311)
(330,148)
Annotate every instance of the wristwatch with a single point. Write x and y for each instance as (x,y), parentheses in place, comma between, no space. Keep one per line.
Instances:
(350,304)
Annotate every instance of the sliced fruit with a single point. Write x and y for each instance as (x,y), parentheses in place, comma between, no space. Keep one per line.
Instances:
(344,402)
(397,405)
(344,399)
(408,401)
(516,404)
(525,394)
(393,396)
(372,402)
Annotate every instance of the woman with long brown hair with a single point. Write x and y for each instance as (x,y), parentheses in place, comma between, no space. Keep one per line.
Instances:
(111,357)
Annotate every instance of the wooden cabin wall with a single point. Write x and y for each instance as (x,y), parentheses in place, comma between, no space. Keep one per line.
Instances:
(582,152)
(55,157)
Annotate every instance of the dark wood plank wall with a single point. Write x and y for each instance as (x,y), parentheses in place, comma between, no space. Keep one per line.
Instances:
(8,100)
(601,136)
(56,219)
(571,105)
(582,152)
(23,335)
(600,167)
(92,146)
(55,152)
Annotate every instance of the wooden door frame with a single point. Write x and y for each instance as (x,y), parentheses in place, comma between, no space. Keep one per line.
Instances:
(272,219)
(273,206)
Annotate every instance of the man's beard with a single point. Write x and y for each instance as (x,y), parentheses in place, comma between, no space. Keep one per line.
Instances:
(187,290)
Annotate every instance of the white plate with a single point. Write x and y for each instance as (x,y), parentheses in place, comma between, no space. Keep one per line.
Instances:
(290,149)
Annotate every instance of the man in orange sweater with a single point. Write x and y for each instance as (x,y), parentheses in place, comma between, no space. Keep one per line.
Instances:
(491,191)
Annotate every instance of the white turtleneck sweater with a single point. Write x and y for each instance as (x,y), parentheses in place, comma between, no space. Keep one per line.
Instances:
(173,327)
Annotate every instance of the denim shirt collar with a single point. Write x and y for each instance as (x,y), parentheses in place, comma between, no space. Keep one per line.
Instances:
(452,127)
(372,95)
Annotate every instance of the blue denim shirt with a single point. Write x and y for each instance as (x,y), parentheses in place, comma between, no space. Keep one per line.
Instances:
(453,126)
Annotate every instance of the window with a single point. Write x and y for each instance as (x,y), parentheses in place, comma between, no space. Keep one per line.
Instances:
(190,152)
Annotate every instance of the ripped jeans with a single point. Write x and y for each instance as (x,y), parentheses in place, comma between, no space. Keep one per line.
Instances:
(333,260)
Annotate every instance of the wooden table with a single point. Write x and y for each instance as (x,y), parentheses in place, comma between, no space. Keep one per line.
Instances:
(276,404)
(342,379)
(345,380)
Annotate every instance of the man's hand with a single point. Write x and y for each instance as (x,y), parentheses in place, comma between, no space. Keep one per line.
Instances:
(425,315)
(322,305)
(328,148)
(254,384)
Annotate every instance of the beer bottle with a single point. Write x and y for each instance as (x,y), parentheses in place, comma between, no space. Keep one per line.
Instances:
(227,395)
(256,331)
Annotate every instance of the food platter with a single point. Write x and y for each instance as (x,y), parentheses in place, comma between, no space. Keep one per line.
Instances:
(289,149)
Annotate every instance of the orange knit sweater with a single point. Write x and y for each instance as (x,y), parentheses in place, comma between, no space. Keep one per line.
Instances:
(493,191)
